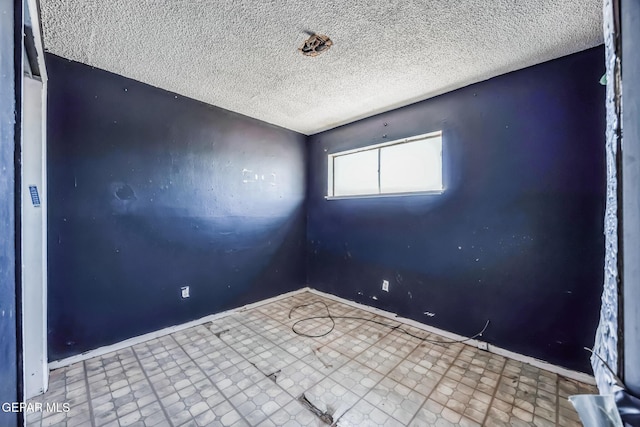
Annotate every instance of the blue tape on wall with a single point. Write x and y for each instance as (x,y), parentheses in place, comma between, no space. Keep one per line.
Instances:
(35,197)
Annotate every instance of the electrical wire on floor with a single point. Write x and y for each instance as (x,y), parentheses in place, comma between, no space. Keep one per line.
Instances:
(333,318)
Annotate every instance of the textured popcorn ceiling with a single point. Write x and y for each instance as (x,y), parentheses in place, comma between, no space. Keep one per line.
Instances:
(243,55)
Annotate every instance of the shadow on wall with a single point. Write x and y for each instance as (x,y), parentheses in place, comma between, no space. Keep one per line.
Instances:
(517,236)
(152,192)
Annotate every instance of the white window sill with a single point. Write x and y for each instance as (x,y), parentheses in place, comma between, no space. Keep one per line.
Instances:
(371,196)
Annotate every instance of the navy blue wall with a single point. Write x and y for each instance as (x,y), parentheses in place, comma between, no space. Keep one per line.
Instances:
(150,191)
(516,238)
(8,288)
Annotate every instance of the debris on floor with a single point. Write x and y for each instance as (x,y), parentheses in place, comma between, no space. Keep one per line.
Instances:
(251,369)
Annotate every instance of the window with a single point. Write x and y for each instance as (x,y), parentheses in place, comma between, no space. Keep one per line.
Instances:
(406,166)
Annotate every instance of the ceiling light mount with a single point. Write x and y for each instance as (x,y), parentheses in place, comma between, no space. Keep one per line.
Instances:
(315,45)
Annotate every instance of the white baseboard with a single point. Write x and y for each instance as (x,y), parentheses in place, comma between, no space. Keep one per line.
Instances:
(162,332)
(579,376)
(568,373)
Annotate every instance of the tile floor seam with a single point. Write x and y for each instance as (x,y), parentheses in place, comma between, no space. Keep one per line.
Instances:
(265,375)
(352,359)
(153,388)
(86,383)
(313,352)
(290,328)
(435,386)
(382,376)
(364,320)
(256,354)
(270,317)
(295,398)
(253,353)
(379,377)
(228,399)
(239,354)
(362,397)
(495,392)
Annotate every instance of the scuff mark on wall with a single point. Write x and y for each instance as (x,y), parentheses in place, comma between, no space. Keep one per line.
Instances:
(249,176)
(125,192)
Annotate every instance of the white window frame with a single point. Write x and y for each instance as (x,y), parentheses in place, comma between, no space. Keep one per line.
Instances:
(330,171)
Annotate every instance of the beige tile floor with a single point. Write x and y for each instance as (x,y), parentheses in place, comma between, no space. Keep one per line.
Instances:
(251,369)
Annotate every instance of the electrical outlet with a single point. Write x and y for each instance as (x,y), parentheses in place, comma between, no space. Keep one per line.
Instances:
(185,292)
(483,345)
(385,285)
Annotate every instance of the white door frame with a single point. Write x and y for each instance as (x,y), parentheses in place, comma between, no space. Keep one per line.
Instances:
(35,372)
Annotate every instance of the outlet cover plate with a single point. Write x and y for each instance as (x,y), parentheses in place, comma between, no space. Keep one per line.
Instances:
(385,285)
(184,292)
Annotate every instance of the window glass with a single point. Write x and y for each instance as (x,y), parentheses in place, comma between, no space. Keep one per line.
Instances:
(412,165)
(356,173)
